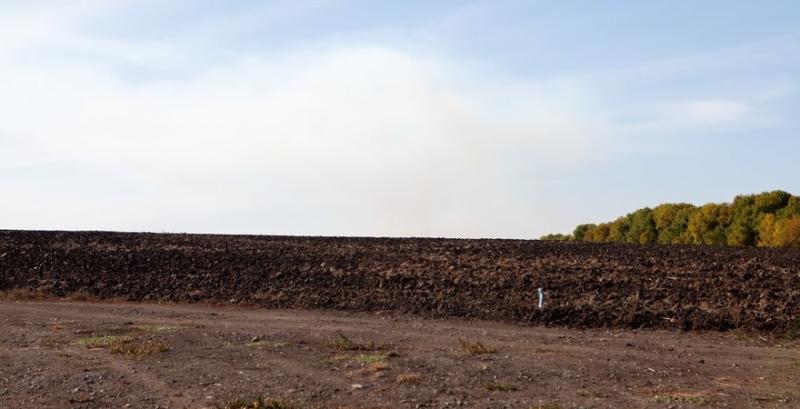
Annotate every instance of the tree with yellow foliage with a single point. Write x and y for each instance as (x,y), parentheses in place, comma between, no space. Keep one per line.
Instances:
(764,219)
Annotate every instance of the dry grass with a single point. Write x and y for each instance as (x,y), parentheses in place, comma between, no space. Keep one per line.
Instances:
(500,386)
(376,367)
(81,399)
(23,294)
(343,343)
(138,348)
(376,370)
(410,378)
(81,296)
(26,294)
(475,348)
(259,403)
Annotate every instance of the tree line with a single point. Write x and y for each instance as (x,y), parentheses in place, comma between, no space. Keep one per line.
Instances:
(769,219)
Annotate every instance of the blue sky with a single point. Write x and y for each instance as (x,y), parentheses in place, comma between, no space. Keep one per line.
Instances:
(449,118)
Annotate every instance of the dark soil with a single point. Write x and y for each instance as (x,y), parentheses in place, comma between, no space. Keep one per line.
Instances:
(585,285)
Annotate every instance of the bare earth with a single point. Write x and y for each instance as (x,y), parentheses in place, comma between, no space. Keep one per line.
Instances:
(218,354)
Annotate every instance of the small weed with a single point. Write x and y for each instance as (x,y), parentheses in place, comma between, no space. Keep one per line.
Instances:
(267,344)
(144,348)
(373,369)
(102,341)
(676,398)
(161,328)
(53,342)
(379,366)
(259,403)
(81,399)
(476,348)
(546,406)
(409,378)
(369,359)
(343,343)
(793,332)
(81,296)
(500,386)
(741,334)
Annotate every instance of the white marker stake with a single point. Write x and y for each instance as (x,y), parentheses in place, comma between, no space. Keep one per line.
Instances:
(541,298)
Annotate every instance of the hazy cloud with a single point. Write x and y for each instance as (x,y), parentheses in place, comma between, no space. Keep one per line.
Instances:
(338,139)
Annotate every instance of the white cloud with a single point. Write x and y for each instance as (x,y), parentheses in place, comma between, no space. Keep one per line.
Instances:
(358,139)
(717,110)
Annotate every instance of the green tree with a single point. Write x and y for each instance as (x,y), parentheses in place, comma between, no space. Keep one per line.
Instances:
(672,220)
(642,227)
(707,224)
(600,233)
(763,219)
(618,230)
(556,237)
(580,232)
(742,231)
(791,209)
(770,202)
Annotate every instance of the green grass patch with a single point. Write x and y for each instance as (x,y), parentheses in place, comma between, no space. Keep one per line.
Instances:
(679,398)
(102,341)
(368,359)
(161,328)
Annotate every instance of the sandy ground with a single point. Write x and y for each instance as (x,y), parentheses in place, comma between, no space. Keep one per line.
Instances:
(52,355)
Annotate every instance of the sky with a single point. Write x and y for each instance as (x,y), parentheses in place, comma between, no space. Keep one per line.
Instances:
(503,119)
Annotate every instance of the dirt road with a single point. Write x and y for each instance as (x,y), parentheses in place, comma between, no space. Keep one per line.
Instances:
(73,355)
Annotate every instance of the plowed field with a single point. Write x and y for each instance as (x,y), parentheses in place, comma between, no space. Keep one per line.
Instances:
(584,285)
